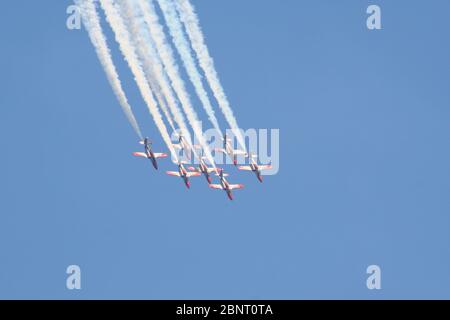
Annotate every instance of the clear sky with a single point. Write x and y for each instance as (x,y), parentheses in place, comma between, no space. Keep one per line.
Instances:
(364,160)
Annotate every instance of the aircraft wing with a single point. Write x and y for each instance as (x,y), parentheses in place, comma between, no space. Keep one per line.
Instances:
(236,186)
(216,186)
(140,154)
(264,167)
(240,152)
(193,174)
(211,170)
(173,173)
(220,150)
(224,174)
(248,168)
(177,145)
(160,155)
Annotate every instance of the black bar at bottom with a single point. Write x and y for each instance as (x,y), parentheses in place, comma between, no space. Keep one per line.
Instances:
(227,309)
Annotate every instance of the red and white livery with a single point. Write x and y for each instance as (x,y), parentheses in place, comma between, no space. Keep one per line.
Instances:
(255,167)
(149,154)
(204,169)
(228,149)
(184,174)
(184,145)
(226,186)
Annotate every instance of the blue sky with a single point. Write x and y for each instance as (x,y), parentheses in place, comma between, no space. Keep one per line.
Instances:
(364,160)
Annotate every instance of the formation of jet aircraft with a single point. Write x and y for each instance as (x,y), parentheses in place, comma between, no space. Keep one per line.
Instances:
(202,168)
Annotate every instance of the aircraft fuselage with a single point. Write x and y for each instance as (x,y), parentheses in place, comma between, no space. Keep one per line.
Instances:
(226,187)
(151,156)
(183,175)
(255,169)
(230,153)
(204,169)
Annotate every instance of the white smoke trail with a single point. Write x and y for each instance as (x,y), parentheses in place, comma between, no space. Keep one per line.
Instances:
(192,26)
(166,54)
(162,102)
(142,47)
(91,21)
(184,49)
(152,63)
(127,49)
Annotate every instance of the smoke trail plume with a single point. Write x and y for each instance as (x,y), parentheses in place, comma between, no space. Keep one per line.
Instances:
(195,34)
(152,63)
(162,102)
(144,47)
(166,54)
(184,49)
(123,38)
(91,21)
